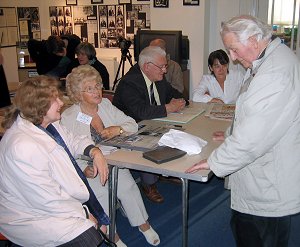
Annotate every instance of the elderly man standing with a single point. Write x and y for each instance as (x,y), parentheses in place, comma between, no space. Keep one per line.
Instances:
(143,93)
(261,154)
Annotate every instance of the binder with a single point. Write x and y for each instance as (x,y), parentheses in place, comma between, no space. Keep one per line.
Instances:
(163,154)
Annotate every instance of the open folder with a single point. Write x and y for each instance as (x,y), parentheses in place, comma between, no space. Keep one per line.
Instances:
(163,154)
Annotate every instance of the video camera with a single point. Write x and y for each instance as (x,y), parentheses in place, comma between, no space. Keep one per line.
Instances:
(124,44)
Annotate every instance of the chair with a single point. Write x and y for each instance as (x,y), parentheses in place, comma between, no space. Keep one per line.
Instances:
(4,241)
(108,94)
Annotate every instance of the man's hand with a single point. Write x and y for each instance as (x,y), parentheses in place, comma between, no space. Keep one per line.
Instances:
(99,165)
(175,105)
(201,165)
(219,136)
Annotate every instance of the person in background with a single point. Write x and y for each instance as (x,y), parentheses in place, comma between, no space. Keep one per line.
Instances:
(143,93)
(49,56)
(43,197)
(71,42)
(4,92)
(222,85)
(174,73)
(86,54)
(104,120)
(261,154)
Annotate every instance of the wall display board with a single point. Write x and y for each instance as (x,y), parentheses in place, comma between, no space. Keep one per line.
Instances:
(111,22)
(122,20)
(60,20)
(8,27)
(86,23)
(29,23)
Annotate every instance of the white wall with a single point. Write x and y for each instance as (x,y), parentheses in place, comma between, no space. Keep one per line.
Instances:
(200,23)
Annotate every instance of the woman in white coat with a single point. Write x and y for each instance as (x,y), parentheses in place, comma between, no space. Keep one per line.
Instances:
(222,85)
(97,118)
(41,192)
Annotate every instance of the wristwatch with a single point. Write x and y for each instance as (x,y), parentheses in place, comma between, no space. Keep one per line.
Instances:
(121,131)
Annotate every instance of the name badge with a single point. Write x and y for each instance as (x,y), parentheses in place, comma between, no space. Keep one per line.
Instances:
(83,118)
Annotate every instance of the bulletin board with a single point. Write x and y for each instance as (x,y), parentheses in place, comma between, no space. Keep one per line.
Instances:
(8,27)
(61,20)
(29,23)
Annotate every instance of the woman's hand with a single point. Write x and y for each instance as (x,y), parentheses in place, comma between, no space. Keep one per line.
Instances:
(89,172)
(201,165)
(216,100)
(99,165)
(219,136)
(110,132)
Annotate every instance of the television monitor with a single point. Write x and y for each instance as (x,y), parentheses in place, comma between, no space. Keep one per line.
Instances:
(173,42)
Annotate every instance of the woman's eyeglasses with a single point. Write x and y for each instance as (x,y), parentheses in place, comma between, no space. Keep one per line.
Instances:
(98,87)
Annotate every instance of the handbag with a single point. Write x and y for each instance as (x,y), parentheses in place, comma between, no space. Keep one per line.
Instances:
(105,239)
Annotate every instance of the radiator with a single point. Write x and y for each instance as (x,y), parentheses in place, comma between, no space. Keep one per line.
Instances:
(111,65)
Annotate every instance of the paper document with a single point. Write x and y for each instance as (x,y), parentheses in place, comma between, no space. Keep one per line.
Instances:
(221,111)
(184,116)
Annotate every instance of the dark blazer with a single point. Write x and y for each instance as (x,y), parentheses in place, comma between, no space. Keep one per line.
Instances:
(100,67)
(132,96)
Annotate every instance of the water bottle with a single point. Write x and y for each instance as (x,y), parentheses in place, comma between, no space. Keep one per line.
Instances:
(21,58)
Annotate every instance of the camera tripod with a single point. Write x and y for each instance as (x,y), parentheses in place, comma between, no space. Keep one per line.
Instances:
(125,55)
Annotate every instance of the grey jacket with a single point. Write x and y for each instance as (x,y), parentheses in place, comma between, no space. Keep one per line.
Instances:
(262,155)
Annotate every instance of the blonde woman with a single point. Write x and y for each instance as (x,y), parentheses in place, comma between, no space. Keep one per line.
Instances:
(97,118)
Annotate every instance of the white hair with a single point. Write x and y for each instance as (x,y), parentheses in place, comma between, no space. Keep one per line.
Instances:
(149,53)
(245,26)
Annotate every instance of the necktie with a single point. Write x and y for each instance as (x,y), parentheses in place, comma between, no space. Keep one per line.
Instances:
(92,204)
(152,98)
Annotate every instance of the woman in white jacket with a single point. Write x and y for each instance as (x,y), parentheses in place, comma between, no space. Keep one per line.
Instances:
(97,118)
(41,192)
(222,85)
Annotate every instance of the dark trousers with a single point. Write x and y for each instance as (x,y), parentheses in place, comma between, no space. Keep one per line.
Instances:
(91,237)
(148,178)
(256,231)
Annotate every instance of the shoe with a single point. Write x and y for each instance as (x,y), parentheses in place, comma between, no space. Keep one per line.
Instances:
(151,236)
(172,180)
(120,243)
(152,193)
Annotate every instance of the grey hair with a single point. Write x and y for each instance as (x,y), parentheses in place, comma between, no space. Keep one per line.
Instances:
(87,49)
(245,26)
(149,53)
(76,79)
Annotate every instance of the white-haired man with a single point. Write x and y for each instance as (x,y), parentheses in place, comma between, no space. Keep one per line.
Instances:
(261,154)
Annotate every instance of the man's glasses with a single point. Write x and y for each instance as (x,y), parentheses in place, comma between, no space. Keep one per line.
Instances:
(98,87)
(162,67)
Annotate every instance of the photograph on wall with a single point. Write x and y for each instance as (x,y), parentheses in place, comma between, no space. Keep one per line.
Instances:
(29,23)
(86,24)
(191,2)
(60,20)
(8,27)
(112,26)
(161,3)
(138,16)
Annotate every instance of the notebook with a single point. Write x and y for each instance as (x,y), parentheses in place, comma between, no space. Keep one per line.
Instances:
(163,154)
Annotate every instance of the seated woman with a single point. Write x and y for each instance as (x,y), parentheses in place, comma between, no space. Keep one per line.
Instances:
(86,54)
(43,191)
(100,120)
(223,85)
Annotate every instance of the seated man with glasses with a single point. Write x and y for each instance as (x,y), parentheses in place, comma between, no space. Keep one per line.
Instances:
(143,93)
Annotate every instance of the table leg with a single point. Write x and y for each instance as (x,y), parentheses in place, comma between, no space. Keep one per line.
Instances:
(112,185)
(185,184)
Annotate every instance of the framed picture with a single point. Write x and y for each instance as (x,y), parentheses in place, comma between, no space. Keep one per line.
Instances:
(124,1)
(191,2)
(161,3)
(71,2)
(96,1)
